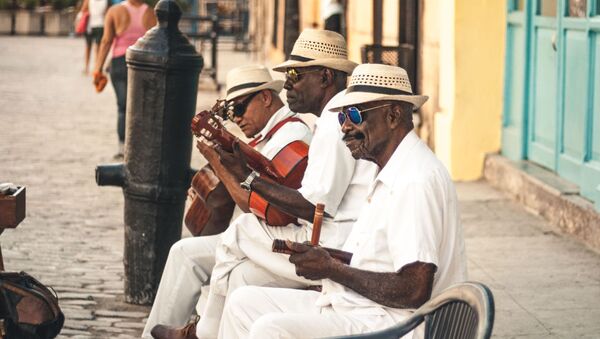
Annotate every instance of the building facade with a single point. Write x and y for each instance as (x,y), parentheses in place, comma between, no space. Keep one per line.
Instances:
(519,77)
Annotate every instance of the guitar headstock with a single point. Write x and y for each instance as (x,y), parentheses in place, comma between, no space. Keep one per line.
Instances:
(206,124)
(220,109)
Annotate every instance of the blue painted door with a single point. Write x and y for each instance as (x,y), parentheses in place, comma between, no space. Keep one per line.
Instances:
(514,122)
(552,88)
(543,86)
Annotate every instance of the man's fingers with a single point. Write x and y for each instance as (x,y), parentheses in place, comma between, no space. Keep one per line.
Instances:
(297,247)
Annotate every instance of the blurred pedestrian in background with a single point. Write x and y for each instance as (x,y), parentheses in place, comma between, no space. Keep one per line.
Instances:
(331,13)
(96,10)
(125,23)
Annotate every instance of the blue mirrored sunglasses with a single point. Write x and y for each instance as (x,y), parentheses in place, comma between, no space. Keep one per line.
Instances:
(355,115)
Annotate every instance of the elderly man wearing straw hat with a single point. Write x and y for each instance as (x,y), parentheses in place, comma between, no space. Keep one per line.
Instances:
(316,73)
(254,105)
(407,243)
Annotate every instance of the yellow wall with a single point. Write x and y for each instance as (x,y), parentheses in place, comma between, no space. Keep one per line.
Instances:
(479,45)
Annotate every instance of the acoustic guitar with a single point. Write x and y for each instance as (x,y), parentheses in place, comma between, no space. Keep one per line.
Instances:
(287,166)
(211,207)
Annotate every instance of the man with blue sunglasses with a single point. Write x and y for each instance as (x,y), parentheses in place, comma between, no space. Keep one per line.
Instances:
(407,243)
(316,73)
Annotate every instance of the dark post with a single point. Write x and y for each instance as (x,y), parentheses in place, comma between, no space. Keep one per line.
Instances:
(377,29)
(291,29)
(163,69)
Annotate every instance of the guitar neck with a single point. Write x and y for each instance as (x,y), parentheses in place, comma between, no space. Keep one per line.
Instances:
(255,159)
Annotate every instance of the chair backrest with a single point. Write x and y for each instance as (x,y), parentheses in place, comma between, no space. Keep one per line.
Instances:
(462,311)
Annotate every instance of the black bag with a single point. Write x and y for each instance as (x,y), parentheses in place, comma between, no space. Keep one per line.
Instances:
(28,309)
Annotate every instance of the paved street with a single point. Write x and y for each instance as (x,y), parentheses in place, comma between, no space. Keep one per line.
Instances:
(54,130)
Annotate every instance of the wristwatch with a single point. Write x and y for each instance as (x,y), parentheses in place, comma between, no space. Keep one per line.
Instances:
(247,184)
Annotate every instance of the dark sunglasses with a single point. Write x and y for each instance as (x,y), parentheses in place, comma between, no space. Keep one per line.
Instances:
(356,115)
(294,75)
(238,110)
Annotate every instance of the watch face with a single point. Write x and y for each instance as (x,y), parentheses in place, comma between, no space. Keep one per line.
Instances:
(246,184)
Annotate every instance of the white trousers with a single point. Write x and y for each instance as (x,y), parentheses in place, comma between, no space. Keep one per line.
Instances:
(262,312)
(188,268)
(249,238)
(244,257)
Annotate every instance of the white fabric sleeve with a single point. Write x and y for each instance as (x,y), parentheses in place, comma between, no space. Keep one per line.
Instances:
(415,223)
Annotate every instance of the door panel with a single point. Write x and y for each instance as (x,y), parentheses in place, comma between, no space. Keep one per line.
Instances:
(590,178)
(514,91)
(575,105)
(542,141)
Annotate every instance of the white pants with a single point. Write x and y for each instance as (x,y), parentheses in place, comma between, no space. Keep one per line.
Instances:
(244,257)
(188,268)
(249,238)
(262,312)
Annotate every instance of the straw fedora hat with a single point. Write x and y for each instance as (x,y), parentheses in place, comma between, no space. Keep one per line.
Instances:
(377,82)
(249,79)
(316,47)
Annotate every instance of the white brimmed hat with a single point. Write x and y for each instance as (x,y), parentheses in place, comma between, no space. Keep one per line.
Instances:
(249,79)
(377,82)
(315,47)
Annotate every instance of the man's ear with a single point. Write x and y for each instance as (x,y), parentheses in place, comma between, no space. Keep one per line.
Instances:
(267,97)
(327,77)
(395,116)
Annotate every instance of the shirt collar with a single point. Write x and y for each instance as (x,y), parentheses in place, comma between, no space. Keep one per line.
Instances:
(331,101)
(390,172)
(282,113)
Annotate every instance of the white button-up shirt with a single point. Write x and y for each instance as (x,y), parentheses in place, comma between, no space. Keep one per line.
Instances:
(411,215)
(333,177)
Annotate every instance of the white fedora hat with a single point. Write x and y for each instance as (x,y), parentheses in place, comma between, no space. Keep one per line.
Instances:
(316,47)
(249,79)
(377,82)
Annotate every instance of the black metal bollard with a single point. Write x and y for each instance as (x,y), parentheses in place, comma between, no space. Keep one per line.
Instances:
(163,69)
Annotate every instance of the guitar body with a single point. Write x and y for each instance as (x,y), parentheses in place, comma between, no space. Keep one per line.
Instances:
(212,207)
(286,168)
(290,164)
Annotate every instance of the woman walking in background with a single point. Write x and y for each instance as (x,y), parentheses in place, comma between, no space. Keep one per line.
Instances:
(95,27)
(125,23)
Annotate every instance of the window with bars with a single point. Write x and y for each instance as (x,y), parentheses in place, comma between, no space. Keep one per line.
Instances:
(578,8)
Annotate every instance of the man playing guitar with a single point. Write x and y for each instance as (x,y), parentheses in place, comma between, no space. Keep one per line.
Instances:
(252,103)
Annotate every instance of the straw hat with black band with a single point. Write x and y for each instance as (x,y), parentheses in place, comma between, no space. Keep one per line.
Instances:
(249,79)
(316,47)
(377,82)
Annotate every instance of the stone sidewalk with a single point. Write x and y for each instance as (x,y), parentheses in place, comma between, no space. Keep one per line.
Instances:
(54,130)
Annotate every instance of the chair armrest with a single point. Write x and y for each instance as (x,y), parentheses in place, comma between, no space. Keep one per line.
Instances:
(394,332)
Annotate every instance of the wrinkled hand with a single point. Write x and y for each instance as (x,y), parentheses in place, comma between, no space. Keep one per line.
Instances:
(234,162)
(312,262)
(208,152)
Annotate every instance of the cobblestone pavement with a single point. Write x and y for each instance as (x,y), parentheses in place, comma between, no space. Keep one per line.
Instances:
(54,130)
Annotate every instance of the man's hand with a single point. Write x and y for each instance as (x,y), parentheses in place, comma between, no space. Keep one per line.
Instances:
(234,162)
(208,152)
(312,262)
